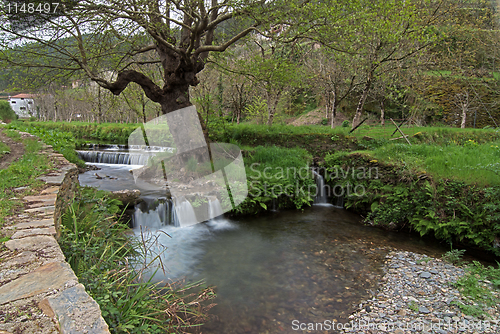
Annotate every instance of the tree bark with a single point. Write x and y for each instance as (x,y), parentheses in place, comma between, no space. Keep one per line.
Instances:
(334,107)
(271,106)
(361,102)
(464,116)
(382,113)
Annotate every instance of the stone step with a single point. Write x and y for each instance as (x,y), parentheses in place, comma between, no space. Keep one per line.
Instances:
(75,312)
(50,190)
(45,209)
(42,204)
(34,224)
(52,276)
(34,231)
(40,198)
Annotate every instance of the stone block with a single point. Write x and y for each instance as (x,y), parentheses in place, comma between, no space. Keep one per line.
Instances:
(76,312)
(34,224)
(52,276)
(34,231)
(45,209)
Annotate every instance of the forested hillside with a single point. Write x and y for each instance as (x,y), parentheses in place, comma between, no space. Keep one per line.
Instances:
(431,61)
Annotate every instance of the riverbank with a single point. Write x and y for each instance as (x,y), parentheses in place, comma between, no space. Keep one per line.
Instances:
(39,292)
(418,294)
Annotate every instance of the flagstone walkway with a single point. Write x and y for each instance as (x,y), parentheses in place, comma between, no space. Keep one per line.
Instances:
(39,292)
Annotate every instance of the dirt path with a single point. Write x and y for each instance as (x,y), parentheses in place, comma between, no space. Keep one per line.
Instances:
(16,151)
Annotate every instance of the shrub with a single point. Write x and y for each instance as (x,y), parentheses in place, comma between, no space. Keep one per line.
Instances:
(6,112)
(345,124)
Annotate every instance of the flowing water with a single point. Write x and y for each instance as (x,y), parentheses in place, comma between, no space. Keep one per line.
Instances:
(308,265)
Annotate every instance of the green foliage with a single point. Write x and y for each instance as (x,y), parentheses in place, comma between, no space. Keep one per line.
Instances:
(62,142)
(345,124)
(6,112)
(450,210)
(108,260)
(454,256)
(413,306)
(21,173)
(275,173)
(257,109)
(102,133)
(4,149)
(476,286)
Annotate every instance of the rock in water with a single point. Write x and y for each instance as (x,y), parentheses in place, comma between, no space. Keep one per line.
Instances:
(126,196)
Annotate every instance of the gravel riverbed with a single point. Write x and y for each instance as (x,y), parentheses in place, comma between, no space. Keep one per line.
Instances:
(417,295)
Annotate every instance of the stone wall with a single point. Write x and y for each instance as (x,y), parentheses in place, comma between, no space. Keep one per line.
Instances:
(39,292)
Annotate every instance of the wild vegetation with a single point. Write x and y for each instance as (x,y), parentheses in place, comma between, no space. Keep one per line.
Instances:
(112,265)
(476,285)
(21,173)
(435,200)
(6,112)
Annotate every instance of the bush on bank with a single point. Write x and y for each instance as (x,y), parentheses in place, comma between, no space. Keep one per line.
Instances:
(277,175)
(401,197)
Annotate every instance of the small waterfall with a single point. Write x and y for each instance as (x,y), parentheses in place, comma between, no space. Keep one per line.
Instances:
(214,208)
(321,193)
(274,205)
(153,214)
(110,157)
(184,214)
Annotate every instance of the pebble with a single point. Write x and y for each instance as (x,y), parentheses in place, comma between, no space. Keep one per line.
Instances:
(416,295)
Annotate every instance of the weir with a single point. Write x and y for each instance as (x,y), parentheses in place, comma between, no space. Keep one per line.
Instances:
(121,154)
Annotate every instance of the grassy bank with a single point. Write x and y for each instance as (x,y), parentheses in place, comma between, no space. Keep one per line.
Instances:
(274,174)
(401,197)
(62,142)
(4,149)
(21,173)
(473,163)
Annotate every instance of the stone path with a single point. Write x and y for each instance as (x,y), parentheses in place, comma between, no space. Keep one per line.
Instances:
(39,292)
(417,296)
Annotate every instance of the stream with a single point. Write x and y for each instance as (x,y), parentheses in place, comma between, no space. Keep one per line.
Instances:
(308,265)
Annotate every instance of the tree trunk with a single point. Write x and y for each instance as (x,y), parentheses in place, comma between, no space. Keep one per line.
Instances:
(364,95)
(327,103)
(361,103)
(271,106)
(334,107)
(382,113)
(464,116)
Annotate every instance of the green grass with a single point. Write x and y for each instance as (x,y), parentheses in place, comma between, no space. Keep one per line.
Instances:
(62,142)
(4,149)
(428,133)
(477,286)
(472,162)
(275,173)
(22,173)
(12,134)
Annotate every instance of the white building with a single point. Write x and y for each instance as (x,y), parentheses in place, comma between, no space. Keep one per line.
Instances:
(23,105)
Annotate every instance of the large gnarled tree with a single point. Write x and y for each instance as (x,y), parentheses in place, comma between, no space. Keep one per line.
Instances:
(118,37)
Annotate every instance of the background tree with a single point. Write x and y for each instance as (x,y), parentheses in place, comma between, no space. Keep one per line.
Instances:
(101,36)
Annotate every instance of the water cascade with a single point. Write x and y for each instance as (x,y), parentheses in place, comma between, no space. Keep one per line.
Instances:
(153,213)
(321,191)
(116,158)
(121,154)
(184,214)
